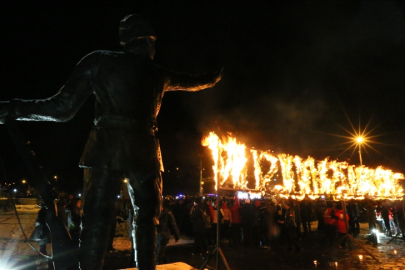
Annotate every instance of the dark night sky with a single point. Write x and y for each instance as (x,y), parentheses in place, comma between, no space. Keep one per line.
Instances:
(292,72)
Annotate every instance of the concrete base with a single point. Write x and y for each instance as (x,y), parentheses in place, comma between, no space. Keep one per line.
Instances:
(170,266)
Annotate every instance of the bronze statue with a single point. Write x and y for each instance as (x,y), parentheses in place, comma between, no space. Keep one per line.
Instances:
(129,88)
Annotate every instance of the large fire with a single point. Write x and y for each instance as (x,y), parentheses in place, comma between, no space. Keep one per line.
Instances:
(288,175)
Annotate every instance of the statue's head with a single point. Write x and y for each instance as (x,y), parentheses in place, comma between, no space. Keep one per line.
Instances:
(137,34)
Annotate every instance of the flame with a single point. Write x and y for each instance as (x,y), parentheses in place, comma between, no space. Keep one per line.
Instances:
(300,177)
(229,160)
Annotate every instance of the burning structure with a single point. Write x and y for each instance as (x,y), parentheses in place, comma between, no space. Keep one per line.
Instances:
(288,175)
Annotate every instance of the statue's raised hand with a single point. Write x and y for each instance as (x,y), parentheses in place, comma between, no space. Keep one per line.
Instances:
(3,111)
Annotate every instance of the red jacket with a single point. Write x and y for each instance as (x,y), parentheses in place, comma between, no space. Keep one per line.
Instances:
(235,213)
(340,224)
(211,211)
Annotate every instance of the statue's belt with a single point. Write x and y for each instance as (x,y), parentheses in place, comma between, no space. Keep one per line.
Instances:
(126,123)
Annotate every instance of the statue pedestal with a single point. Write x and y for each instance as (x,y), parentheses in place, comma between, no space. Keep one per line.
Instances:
(170,266)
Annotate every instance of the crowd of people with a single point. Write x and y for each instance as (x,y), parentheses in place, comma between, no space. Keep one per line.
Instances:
(281,223)
(272,223)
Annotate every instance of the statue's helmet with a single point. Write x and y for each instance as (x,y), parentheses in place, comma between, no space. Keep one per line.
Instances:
(133,27)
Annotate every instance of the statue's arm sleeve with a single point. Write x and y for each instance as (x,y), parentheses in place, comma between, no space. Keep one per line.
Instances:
(175,81)
(65,103)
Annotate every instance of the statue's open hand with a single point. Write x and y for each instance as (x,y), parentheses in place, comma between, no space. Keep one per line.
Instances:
(3,111)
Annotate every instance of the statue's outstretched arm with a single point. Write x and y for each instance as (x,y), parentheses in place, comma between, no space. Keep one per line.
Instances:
(58,108)
(175,81)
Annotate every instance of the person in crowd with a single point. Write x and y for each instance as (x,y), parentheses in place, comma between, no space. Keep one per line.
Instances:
(41,232)
(380,220)
(370,215)
(266,221)
(391,215)
(210,232)
(385,216)
(256,223)
(330,218)
(306,210)
(319,209)
(247,220)
(400,217)
(226,222)
(290,227)
(280,216)
(62,209)
(213,231)
(341,226)
(180,212)
(236,223)
(298,220)
(74,220)
(351,212)
(197,218)
(167,224)
(357,216)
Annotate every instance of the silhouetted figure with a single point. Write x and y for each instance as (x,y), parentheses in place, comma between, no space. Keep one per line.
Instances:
(129,88)
(247,213)
(167,225)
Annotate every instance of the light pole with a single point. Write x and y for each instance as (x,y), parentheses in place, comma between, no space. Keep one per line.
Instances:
(359,141)
(201,179)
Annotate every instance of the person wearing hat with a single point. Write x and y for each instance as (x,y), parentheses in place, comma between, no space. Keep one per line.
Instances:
(129,88)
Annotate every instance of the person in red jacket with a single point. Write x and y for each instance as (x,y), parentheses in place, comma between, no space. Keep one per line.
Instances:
(329,218)
(341,227)
(236,227)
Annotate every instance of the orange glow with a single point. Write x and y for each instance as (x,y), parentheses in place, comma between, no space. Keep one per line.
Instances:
(300,176)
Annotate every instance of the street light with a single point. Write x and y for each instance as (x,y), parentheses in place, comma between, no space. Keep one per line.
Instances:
(23,181)
(359,141)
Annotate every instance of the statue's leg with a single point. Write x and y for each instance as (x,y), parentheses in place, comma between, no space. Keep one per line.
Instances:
(101,187)
(145,190)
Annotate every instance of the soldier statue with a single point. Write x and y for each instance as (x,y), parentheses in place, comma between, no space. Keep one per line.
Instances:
(122,144)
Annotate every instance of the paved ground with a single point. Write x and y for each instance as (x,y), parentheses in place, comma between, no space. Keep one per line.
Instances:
(17,254)
(391,255)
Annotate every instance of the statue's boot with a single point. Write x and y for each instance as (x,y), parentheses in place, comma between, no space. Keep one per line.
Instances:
(93,247)
(145,190)
(101,187)
(145,245)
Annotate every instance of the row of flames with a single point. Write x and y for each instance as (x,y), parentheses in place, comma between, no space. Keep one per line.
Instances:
(300,177)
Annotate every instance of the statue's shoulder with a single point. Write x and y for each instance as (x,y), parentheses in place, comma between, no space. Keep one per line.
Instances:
(100,54)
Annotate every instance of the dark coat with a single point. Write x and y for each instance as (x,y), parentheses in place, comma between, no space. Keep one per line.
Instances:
(41,232)
(129,88)
(167,225)
(197,217)
(247,213)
